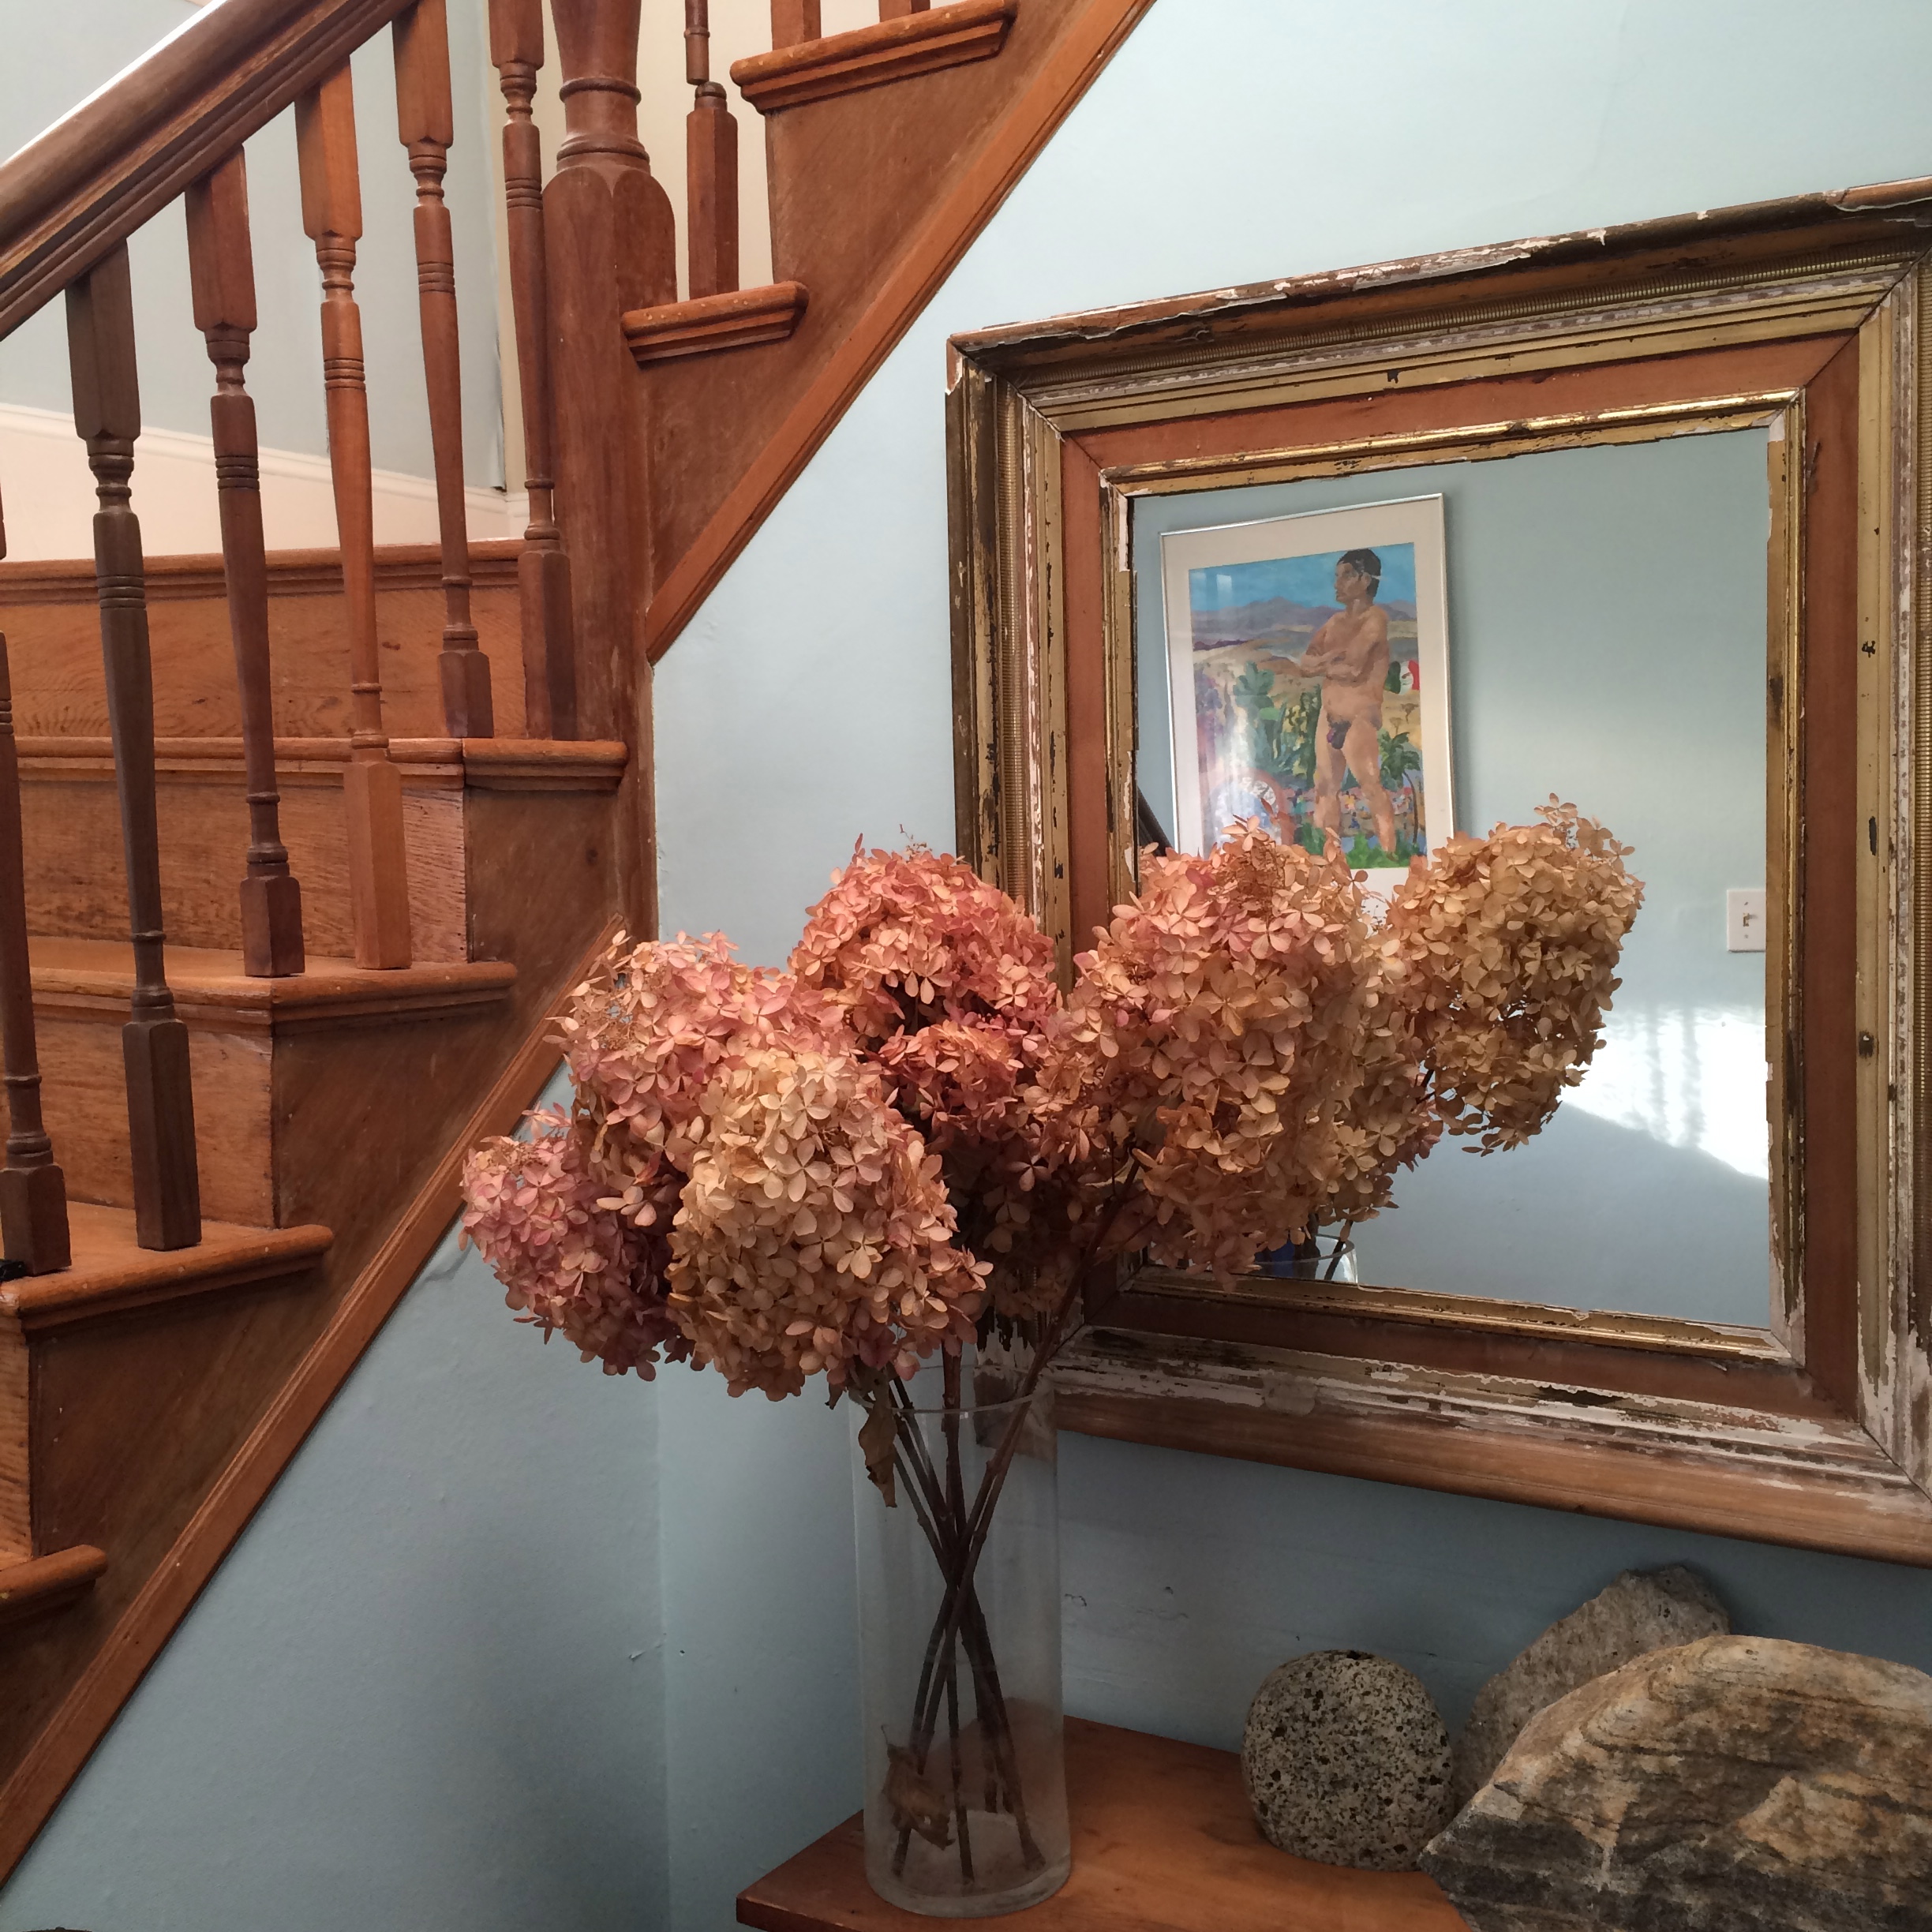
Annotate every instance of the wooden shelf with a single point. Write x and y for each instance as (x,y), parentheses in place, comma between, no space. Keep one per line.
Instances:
(1162,1838)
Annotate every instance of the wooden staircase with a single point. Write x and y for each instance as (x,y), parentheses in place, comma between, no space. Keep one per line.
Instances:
(384,804)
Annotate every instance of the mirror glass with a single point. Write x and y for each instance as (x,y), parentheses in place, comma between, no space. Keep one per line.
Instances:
(1595,620)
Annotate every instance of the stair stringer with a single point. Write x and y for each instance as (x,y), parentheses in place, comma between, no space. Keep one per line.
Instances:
(875,197)
(70,1670)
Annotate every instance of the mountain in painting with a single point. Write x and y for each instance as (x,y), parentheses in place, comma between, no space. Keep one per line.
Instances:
(1275,620)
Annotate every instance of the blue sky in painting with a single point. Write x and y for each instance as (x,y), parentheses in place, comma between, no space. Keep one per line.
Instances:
(1309,579)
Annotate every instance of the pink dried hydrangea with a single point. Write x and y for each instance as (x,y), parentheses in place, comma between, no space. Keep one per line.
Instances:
(1511,944)
(814,1232)
(1213,1037)
(905,938)
(837,1169)
(536,1213)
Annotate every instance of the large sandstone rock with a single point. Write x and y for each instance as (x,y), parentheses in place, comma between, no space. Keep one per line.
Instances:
(1346,1760)
(1737,1784)
(1642,1610)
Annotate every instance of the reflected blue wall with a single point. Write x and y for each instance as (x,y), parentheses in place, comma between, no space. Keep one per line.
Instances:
(1607,629)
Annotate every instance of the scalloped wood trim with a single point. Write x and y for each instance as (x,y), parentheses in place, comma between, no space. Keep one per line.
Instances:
(915,43)
(738,319)
(65,1743)
(47,1582)
(1065,76)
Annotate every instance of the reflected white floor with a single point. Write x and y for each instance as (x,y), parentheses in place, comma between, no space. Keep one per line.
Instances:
(1648,1191)
(1689,1079)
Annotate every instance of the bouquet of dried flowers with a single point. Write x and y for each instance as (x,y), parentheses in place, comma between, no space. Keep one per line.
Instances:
(910,1138)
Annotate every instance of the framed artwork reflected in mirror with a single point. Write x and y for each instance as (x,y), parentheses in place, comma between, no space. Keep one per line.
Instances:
(1629,518)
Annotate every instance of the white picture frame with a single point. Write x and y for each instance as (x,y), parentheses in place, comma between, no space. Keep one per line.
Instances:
(1248,730)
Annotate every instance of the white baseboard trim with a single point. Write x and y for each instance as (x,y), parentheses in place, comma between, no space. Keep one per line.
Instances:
(47,491)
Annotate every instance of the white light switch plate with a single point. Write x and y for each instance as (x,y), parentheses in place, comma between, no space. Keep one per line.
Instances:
(1744,919)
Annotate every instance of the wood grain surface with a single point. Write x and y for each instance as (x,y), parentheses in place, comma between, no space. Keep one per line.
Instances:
(47,610)
(905,41)
(874,198)
(73,876)
(1163,1841)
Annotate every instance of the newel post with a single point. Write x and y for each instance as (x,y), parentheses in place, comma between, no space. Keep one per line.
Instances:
(610,245)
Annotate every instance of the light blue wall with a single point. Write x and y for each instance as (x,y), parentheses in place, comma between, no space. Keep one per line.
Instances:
(427,1687)
(285,372)
(1607,644)
(1230,139)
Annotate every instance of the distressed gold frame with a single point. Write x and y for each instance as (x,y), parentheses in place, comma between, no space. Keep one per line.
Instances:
(1807,315)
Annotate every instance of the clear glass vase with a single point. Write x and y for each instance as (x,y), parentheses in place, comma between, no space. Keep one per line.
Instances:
(1323,1257)
(965,1813)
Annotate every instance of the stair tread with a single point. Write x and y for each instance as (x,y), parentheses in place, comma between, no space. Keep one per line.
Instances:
(31,1582)
(110,1271)
(200,573)
(203,978)
(559,763)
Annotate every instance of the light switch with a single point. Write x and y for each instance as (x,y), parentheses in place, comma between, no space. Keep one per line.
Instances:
(1744,919)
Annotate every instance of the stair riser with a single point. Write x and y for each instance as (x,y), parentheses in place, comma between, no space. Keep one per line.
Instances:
(75,884)
(83,1092)
(55,650)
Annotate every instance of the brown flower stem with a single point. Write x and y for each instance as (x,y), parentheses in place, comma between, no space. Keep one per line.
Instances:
(1341,1240)
(964,1830)
(942,1530)
(956,1507)
(952,1606)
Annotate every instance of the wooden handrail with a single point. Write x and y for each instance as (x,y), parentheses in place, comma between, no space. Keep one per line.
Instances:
(96,176)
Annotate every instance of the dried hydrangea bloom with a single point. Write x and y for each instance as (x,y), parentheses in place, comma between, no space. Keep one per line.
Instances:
(1390,1121)
(647,1033)
(1512,941)
(536,1211)
(906,938)
(949,983)
(1212,1039)
(814,1232)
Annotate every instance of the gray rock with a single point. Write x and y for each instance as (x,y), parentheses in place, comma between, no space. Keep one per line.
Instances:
(1737,1784)
(1346,1760)
(1641,1612)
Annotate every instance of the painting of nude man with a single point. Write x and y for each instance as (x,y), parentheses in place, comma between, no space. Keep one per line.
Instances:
(1309,673)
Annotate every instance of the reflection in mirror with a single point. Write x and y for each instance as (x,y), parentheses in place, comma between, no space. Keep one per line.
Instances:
(1605,631)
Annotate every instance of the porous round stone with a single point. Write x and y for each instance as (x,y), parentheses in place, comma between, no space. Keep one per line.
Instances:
(1346,1760)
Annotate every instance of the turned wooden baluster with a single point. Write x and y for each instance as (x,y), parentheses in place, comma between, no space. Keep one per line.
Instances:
(106,405)
(33,1191)
(794,20)
(332,199)
(427,126)
(711,165)
(543,569)
(221,267)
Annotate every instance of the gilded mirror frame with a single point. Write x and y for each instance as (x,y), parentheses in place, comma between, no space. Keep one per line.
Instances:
(1806,316)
